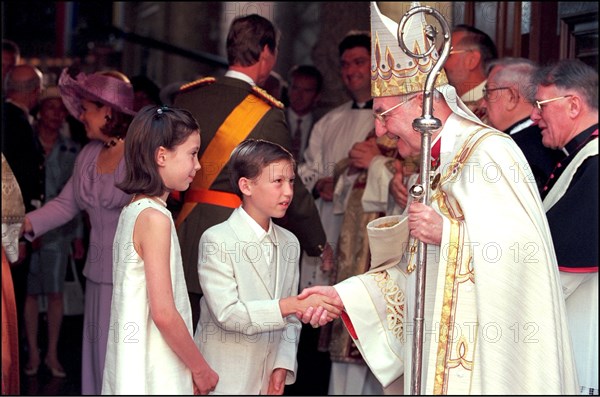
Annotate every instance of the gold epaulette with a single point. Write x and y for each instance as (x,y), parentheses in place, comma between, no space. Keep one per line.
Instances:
(197,83)
(268,98)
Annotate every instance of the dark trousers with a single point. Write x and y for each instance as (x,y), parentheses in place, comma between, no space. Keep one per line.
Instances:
(195,303)
(314,367)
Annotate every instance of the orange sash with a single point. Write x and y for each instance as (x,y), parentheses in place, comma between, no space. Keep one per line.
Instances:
(235,129)
(215,197)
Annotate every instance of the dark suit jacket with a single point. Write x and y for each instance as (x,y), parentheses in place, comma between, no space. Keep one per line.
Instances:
(573,219)
(210,104)
(23,153)
(541,159)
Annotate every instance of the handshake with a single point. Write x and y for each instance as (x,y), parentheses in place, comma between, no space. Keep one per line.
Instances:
(318,305)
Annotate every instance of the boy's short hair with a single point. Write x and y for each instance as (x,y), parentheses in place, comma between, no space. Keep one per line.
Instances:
(250,157)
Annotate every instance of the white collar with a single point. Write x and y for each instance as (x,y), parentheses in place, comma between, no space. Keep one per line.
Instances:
(521,126)
(256,228)
(240,76)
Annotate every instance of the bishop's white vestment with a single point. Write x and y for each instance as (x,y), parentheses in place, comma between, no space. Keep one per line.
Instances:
(495,320)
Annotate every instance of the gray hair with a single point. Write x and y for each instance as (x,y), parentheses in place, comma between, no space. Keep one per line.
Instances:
(571,74)
(517,72)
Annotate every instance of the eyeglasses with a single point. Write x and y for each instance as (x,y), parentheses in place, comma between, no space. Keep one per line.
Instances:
(539,104)
(486,91)
(380,116)
(453,51)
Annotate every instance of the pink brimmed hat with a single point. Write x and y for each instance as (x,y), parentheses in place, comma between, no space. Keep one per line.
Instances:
(108,90)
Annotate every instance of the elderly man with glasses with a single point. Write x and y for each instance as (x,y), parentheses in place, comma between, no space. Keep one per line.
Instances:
(508,98)
(493,312)
(567,112)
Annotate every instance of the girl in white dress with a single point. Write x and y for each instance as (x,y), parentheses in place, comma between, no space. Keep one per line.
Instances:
(150,347)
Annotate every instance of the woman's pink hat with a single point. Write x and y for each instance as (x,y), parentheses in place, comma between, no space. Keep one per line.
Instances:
(108,90)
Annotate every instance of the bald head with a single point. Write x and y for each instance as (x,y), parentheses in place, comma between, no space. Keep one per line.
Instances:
(23,84)
(23,78)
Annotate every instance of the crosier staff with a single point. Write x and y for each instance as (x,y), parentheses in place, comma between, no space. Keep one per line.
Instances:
(425,124)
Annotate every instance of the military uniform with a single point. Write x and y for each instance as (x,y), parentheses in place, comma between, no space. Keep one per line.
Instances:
(211,101)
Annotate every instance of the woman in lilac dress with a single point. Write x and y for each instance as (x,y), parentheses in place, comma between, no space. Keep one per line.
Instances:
(103,101)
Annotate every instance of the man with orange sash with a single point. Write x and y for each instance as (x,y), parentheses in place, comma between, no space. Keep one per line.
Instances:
(494,316)
(229,110)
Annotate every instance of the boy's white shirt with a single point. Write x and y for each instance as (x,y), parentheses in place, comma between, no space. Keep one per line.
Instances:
(261,235)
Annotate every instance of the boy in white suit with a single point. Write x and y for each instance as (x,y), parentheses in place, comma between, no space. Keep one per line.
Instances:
(248,270)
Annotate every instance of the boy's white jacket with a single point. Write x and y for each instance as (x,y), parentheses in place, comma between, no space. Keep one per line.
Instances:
(241,332)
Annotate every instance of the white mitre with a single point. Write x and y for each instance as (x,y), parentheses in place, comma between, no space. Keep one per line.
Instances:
(393,72)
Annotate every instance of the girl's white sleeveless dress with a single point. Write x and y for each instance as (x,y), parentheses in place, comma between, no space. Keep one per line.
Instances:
(138,359)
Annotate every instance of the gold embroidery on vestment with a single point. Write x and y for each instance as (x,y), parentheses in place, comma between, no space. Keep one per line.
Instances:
(394,298)
(459,270)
